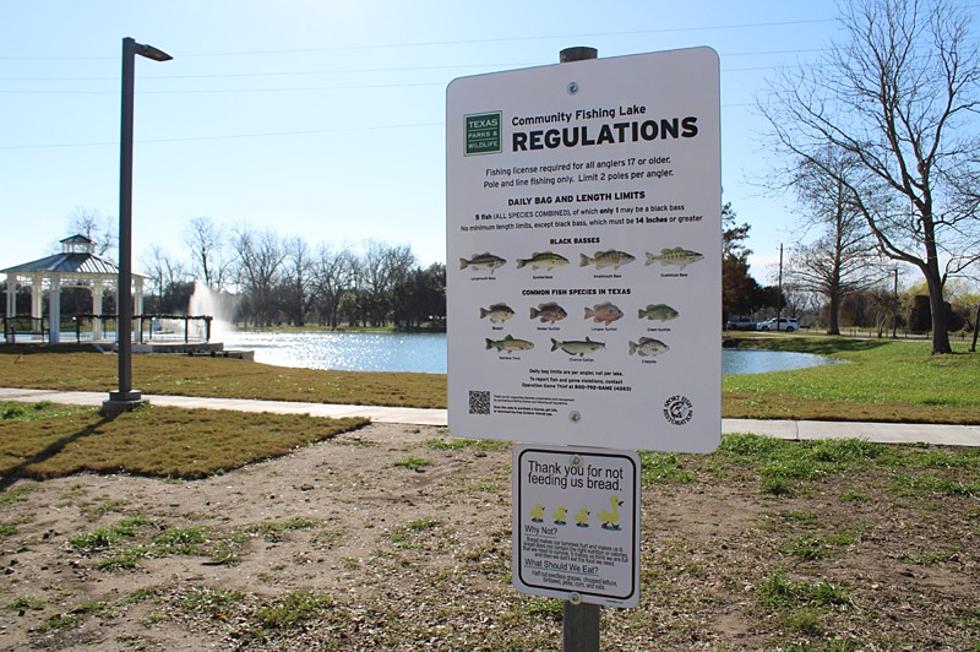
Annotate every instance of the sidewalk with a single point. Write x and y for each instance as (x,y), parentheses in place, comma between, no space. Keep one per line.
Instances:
(887,433)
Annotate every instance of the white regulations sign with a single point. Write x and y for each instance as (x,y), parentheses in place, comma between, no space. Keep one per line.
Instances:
(584,253)
(577,524)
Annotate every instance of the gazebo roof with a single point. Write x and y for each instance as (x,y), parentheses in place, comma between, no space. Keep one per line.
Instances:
(78,238)
(65,263)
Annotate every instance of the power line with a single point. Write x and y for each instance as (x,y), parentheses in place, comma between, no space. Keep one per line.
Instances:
(266,134)
(499,39)
(291,73)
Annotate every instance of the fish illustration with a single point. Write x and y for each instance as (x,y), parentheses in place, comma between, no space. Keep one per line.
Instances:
(609,258)
(648,347)
(577,347)
(559,515)
(582,518)
(658,311)
(537,512)
(509,344)
(543,259)
(604,313)
(676,256)
(549,312)
(497,313)
(485,260)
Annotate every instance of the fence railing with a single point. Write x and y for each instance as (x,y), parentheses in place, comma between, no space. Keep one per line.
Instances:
(25,325)
(149,327)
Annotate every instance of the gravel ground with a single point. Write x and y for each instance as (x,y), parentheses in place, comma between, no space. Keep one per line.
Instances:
(358,544)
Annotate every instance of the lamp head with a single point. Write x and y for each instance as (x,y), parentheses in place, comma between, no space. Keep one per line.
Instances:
(151,52)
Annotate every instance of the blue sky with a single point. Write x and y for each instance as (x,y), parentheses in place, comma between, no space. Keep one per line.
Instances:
(325,120)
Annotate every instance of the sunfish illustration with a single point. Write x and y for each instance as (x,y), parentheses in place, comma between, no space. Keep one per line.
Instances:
(543,260)
(509,343)
(549,312)
(605,313)
(676,256)
(647,347)
(577,347)
(658,312)
(609,258)
(486,260)
(497,313)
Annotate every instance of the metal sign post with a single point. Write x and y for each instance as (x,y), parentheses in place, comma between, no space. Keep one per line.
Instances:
(583,205)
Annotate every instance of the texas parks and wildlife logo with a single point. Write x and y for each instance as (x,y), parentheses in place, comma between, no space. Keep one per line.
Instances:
(483,133)
(678,410)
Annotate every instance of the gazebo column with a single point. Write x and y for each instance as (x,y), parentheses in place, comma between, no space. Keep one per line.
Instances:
(11,295)
(11,303)
(54,309)
(37,298)
(96,310)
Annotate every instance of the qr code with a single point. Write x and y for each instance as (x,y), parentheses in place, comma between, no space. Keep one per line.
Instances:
(479,402)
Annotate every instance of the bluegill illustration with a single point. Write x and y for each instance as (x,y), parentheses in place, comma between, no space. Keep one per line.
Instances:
(497,313)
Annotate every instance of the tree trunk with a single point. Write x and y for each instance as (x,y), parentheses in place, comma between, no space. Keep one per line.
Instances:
(940,332)
(833,328)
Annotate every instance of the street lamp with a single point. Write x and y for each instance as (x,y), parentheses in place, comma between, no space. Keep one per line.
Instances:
(127,398)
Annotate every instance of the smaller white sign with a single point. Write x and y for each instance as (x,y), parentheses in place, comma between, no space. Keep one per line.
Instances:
(577,524)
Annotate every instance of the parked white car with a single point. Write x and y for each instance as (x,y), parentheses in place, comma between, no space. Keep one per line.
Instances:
(787,324)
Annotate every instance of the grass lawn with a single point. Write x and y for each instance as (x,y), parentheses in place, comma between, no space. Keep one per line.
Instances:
(880,380)
(47,440)
(223,378)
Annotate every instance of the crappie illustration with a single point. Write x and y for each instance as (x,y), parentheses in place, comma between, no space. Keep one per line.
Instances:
(486,260)
(676,256)
(647,347)
(609,258)
(605,313)
(497,313)
(509,343)
(549,312)
(543,260)
(658,312)
(577,347)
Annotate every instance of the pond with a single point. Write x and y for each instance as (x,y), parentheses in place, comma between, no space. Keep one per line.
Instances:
(426,352)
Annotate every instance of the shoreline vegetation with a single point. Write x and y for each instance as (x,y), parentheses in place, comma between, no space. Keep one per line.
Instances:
(882,380)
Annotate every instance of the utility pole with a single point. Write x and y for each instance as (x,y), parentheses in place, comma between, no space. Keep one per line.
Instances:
(779,295)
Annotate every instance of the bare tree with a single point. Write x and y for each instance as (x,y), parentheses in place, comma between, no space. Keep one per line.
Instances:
(842,257)
(333,274)
(95,226)
(205,239)
(900,97)
(259,258)
(298,279)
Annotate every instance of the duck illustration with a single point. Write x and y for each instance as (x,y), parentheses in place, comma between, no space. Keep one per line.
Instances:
(559,515)
(582,518)
(610,519)
(537,512)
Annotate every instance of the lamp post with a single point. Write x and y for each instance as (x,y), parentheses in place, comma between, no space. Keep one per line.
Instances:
(126,398)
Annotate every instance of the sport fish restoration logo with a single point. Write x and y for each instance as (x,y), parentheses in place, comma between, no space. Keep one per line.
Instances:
(483,133)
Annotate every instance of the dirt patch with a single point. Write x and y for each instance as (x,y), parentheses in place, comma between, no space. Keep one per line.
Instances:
(343,546)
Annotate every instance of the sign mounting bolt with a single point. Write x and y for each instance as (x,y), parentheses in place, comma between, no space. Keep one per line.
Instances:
(574,416)
(575,598)
(572,88)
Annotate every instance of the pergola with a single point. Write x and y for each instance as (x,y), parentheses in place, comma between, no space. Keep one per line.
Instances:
(76,266)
